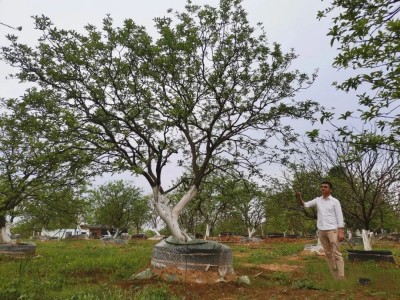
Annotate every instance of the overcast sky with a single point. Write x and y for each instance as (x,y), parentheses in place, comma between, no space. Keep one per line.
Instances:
(291,23)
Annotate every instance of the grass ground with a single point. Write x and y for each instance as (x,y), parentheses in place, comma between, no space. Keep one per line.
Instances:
(278,269)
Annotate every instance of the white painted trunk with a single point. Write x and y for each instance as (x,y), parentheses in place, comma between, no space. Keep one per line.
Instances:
(367,239)
(349,234)
(171,216)
(250,231)
(157,232)
(207,234)
(5,235)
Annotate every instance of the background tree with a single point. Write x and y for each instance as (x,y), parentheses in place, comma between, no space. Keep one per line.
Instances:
(248,201)
(367,36)
(283,214)
(363,180)
(33,167)
(387,220)
(209,92)
(119,206)
(52,209)
(213,201)
(212,204)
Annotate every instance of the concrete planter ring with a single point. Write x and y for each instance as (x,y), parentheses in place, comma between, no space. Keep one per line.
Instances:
(363,255)
(20,249)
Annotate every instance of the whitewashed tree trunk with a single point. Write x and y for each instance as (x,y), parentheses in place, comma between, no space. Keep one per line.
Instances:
(367,239)
(250,231)
(349,234)
(207,234)
(5,234)
(171,216)
(157,232)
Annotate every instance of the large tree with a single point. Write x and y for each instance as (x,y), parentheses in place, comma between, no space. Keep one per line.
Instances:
(367,35)
(209,92)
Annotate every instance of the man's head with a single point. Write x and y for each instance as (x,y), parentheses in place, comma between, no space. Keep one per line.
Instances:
(326,188)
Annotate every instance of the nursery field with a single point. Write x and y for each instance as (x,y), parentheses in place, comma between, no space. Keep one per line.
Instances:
(277,269)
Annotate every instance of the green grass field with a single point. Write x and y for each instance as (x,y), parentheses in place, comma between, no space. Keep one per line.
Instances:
(278,269)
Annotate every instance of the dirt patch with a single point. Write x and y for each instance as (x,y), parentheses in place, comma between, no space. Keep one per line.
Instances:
(275,267)
(310,253)
(234,290)
(241,254)
(286,241)
(229,239)
(294,258)
(192,276)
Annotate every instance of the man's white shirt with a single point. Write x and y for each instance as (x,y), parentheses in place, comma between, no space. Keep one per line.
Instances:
(329,211)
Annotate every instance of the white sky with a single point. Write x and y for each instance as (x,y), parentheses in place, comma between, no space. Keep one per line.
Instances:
(291,23)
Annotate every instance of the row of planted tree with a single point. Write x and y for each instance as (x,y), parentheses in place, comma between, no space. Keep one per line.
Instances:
(367,188)
(208,96)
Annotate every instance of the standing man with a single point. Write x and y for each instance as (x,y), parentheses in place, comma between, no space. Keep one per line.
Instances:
(330,226)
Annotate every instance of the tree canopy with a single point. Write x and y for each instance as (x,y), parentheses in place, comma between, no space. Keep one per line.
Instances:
(52,209)
(367,34)
(34,167)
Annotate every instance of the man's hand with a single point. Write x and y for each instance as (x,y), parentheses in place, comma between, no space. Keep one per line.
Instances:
(341,235)
(299,198)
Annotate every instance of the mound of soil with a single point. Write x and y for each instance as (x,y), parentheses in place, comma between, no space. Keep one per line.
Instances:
(191,276)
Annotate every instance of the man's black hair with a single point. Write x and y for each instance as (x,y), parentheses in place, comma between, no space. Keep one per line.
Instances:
(328,183)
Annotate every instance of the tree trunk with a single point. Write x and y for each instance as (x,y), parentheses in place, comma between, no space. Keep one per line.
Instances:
(207,234)
(5,232)
(250,231)
(350,234)
(171,216)
(367,239)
